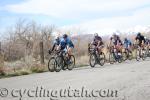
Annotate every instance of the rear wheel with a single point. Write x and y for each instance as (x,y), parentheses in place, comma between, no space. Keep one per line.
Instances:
(143,54)
(71,65)
(51,64)
(147,52)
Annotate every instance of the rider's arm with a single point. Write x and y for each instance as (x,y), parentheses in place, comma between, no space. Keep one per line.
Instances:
(98,44)
(53,47)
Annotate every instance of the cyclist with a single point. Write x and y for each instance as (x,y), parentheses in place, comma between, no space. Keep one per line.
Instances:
(98,42)
(127,44)
(55,44)
(66,44)
(116,45)
(116,42)
(140,40)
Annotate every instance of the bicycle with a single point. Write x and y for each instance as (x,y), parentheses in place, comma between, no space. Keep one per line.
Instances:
(127,54)
(96,57)
(61,62)
(115,55)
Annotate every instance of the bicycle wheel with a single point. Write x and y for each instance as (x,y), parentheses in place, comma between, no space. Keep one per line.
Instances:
(60,63)
(111,58)
(92,60)
(147,52)
(137,54)
(130,55)
(120,57)
(71,65)
(124,56)
(143,54)
(102,59)
(51,64)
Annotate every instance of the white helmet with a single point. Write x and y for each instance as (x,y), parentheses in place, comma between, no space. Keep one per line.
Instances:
(95,34)
(56,36)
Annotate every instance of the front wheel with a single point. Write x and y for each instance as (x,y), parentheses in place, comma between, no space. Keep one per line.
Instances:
(92,60)
(130,55)
(138,55)
(71,64)
(102,59)
(143,54)
(51,64)
(120,57)
(124,56)
(111,58)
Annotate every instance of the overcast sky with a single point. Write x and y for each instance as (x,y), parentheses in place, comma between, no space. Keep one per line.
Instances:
(104,16)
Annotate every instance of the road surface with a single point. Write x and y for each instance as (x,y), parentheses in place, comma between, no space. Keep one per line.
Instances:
(126,81)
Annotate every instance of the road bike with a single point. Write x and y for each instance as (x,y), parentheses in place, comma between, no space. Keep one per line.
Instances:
(96,57)
(60,61)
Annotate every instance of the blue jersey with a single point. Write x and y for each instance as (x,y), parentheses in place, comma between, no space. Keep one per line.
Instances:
(127,43)
(66,42)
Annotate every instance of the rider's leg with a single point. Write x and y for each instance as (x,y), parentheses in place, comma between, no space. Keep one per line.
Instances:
(69,52)
(100,49)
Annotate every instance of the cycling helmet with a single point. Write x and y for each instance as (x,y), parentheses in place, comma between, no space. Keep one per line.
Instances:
(95,34)
(125,39)
(114,34)
(139,34)
(65,36)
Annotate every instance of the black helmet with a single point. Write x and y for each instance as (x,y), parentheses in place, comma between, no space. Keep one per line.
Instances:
(139,34)
(125,39)
(65,36)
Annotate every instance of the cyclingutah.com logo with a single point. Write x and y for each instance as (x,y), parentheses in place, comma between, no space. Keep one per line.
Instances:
(56,94)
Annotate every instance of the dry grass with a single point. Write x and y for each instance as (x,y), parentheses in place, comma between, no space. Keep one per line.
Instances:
(19,68)
(82,61)
(38,68)
(2,69)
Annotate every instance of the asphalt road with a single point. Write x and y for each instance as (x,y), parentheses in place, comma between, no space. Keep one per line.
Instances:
(126,81)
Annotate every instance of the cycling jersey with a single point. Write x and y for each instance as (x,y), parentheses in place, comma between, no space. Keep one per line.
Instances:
(66,42)
(127,43)
(140,39)
(116,39)
(97,39)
